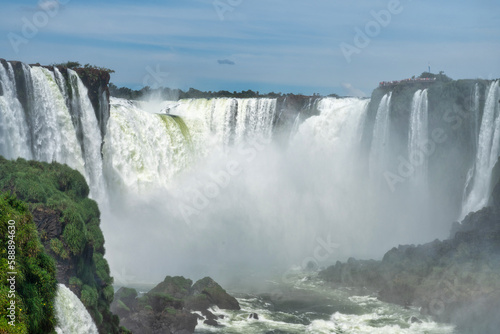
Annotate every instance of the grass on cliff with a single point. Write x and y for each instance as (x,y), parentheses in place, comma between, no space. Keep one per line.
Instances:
(35,280)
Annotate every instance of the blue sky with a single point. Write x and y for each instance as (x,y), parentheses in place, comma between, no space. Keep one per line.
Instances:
(273,45)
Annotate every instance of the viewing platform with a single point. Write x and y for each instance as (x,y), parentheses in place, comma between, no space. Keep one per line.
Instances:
(406,81)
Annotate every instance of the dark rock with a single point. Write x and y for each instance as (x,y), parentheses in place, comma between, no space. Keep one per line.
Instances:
(215,294)
(165,309)
(177,287)
(209,315)
(415,320)
(211,322)
(253,316)
(125,302)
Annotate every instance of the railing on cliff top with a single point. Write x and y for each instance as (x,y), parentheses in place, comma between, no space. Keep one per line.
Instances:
(407,81)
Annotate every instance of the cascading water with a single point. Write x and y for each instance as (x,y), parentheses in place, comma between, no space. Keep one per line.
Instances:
(72,316)
(223,121)
(91,144)
(57,123)
(54,137)
(143,150)
(13,125)
(380,141)
(475,131)
(488,151)
(417,137)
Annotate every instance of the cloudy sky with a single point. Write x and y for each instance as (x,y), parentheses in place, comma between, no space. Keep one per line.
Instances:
(316,46)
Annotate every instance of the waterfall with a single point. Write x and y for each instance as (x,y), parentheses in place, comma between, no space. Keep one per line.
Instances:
(143,150)
(72,317)
(488,151)
(91,135)
(475,111)
(222,122)
(338,126)
(475,132)
(418,136)
(295,127)
(54,137)
(14,141)
(58,123)
(380,141)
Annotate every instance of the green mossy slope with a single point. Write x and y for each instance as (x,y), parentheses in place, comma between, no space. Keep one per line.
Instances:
(68,226)
(35,278)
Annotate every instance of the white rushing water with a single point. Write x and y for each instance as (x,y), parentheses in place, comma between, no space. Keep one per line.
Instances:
(54,137)
(417,138)
(72,317)
(226,121)
(334,311)
(13,124)
(380,141)
(488,151)
(91,144)
(58,123)
(143,150)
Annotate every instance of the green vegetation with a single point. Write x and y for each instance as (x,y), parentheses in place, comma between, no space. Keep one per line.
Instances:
(74,65)
(439,77)
(35,280)
(177,94)
(56,195)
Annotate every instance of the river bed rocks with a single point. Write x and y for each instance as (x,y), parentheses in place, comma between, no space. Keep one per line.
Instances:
(173,306)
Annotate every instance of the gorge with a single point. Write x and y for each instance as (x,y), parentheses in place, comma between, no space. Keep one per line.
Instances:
(243,189)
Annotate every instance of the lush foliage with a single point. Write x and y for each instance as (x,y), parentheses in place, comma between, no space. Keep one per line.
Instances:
(60,193)
(35,279)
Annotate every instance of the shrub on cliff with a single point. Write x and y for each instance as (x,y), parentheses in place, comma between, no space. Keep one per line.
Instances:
(35,281)
(68,224)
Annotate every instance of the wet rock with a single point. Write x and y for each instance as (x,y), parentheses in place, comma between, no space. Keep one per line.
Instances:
(415,320)
(211,322)
(166,308)
(253,316)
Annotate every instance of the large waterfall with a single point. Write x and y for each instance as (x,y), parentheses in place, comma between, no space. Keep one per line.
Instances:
(72,317)
(202,185)
(144,150)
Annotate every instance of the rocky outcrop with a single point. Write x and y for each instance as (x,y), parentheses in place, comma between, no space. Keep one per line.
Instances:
(455,280)
(451,111)
(167,307)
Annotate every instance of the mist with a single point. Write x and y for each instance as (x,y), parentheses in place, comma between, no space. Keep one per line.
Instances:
(232,207)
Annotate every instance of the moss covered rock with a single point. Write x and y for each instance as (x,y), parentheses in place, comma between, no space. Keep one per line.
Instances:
(166,308)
